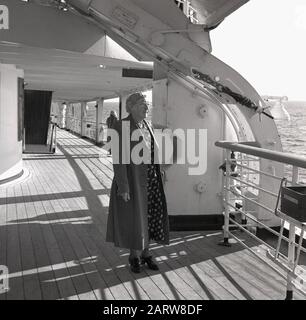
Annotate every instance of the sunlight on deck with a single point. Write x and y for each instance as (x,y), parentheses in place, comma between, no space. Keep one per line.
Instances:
(52,238)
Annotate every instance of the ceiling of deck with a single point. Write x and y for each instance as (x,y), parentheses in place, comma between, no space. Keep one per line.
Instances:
(49,44)
(72,75)
(60,51)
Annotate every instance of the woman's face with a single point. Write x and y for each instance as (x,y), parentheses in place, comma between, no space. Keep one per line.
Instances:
(140,110)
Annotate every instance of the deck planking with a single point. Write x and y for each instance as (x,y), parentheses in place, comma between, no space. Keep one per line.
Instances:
(53,227)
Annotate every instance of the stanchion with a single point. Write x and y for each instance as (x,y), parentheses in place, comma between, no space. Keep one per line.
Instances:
(225,241)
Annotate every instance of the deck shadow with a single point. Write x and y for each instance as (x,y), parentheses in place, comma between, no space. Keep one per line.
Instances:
(85,263)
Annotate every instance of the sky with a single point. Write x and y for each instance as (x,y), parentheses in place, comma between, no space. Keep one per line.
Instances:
(265,41)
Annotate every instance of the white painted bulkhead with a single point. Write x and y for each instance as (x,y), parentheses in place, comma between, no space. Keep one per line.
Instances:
(10,147)
(191,188)
(142,27)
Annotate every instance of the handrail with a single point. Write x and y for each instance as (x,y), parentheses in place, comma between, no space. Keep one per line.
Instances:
(258,171)
(86,121)
(287,263)
(278,156)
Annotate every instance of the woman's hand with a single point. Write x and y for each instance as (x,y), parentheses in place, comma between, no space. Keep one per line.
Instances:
(125,196)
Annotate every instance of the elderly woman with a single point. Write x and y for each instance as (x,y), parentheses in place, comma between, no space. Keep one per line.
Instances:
(137,209)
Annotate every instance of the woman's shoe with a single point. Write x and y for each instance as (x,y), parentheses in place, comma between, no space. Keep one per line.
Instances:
(150,262)
(135,265)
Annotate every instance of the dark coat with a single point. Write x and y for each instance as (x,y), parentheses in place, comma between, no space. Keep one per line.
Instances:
(110,121)
(127,225)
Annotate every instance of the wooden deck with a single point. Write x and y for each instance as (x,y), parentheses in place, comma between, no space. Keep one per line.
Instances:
(52,238)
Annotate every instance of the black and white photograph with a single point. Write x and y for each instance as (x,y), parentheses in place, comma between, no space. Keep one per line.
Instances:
(153,154)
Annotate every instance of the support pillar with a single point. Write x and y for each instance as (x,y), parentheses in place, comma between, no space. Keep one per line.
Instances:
(62,119)
(120,107)
(99,124)
(83,117)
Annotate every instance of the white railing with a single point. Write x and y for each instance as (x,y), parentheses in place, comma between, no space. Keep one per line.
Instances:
(90,129)
(242,185)
(73,124)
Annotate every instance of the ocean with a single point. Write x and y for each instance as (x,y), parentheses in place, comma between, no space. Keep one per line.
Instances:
(293,132)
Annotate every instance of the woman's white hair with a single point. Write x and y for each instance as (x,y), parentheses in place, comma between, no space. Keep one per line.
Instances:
(133,99)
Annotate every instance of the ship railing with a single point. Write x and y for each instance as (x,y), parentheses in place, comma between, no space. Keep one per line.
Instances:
(91,130)
(241,188)
(73,124)
(95,131)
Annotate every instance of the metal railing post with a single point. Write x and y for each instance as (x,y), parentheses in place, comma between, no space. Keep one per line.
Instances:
(240,169)
(99,116)
(291,254)
(291,244)
(225,241)
(287,262)
(54,141)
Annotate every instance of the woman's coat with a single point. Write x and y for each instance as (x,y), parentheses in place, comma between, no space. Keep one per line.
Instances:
(127,225)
